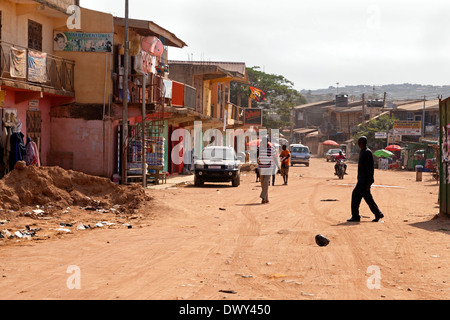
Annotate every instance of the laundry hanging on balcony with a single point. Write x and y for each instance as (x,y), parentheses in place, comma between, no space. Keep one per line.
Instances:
(37,66)
(18,63)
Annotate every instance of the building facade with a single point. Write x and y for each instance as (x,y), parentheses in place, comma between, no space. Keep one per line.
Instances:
(33,78)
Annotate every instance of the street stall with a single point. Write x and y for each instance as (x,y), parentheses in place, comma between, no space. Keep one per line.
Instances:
(384,158)
(416,154)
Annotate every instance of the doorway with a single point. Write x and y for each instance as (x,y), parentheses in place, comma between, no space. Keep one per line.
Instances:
(34,124)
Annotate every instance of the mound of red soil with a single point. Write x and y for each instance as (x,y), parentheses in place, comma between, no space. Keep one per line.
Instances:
(32,186)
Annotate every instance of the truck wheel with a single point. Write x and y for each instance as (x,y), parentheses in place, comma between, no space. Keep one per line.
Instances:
(198,182)
(236,181)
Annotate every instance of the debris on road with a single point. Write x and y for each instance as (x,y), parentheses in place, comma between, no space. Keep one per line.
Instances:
(228,291)
(322,241)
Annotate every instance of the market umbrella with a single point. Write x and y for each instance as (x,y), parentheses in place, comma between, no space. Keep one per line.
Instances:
(393,147)
(383,153)
(258,141)
(254,142)
(330,143)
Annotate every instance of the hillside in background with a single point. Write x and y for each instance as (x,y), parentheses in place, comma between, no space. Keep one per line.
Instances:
(405,91)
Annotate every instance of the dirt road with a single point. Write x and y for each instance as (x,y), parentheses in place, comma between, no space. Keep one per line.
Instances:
(195,242)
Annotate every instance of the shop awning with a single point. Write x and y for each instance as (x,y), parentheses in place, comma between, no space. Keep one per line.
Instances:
(149,28)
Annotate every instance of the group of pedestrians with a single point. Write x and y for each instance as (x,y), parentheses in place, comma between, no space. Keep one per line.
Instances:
(268,164)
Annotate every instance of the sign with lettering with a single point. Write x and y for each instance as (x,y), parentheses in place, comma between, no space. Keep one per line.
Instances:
(380,135)
(253,116)
(407,128)
(83,42)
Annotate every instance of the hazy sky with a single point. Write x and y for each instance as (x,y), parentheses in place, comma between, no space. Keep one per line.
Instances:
(314,44)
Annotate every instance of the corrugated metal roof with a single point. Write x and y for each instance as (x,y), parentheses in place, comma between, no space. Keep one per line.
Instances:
(237,69)
(149,28)
(418,106)
(304,130)
(315,104)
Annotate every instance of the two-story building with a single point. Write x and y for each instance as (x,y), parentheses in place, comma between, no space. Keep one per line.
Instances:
(86,133)
(211,83)
(33,77)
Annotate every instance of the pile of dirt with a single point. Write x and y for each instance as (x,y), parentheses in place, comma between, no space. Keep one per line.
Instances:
(38,186)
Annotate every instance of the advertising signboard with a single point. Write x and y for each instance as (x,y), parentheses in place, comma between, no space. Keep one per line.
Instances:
(407,128)
(253,116)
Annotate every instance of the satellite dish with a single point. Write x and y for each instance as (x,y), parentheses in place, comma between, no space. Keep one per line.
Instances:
(153,46)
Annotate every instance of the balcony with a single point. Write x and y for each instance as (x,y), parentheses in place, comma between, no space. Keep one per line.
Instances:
(154,89)
(158,91)
(53,75)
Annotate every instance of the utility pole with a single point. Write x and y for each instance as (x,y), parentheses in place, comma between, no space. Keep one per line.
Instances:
(144,147)
(125,102)
(423,117)
(363,108)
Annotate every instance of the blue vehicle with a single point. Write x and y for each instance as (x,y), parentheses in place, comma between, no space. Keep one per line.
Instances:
(299,154)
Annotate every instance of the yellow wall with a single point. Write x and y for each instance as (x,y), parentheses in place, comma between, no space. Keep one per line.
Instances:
(15,18)
(92,69)
(207,98)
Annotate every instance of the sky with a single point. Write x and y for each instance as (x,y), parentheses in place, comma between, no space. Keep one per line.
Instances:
(315,44)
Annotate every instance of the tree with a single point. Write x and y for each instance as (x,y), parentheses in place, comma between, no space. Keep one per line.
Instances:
(280,96)
(368,129)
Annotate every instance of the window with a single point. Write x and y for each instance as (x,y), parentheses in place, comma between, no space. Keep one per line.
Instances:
(34,35)
(418,117)
(410,116)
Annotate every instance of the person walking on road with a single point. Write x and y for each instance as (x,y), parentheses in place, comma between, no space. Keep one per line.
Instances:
(275,166)
(364,183)
(265,166)
(285,156)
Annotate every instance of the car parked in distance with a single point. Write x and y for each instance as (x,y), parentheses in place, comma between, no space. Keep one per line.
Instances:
(331,154)
(218,164)
(299,154)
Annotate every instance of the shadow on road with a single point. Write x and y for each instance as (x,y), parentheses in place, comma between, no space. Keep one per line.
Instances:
(210,186)
(438,223)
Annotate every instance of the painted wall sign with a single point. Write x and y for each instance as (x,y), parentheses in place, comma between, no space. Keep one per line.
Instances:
(82,42)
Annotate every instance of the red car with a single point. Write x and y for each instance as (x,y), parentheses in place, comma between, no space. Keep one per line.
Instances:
(331,154)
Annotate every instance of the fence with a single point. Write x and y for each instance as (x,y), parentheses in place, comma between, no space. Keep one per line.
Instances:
(59,72)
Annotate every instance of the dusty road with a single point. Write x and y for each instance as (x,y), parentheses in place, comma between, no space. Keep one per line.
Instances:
(196,242)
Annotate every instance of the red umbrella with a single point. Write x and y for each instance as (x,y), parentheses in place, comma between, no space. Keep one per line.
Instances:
(257,142)
(254,142)
(330,143)
(393,147)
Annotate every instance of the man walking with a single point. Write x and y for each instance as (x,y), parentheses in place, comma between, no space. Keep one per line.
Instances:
(285,155)
(365,181)
(265,166)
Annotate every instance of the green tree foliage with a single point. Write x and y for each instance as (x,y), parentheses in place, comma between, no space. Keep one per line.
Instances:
(368,129)
(280,96)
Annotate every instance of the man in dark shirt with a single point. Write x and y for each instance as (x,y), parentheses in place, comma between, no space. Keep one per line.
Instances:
(365,181)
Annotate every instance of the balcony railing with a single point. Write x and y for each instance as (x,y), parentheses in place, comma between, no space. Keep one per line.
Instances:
(237,113)
(59,71)
(154,91)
